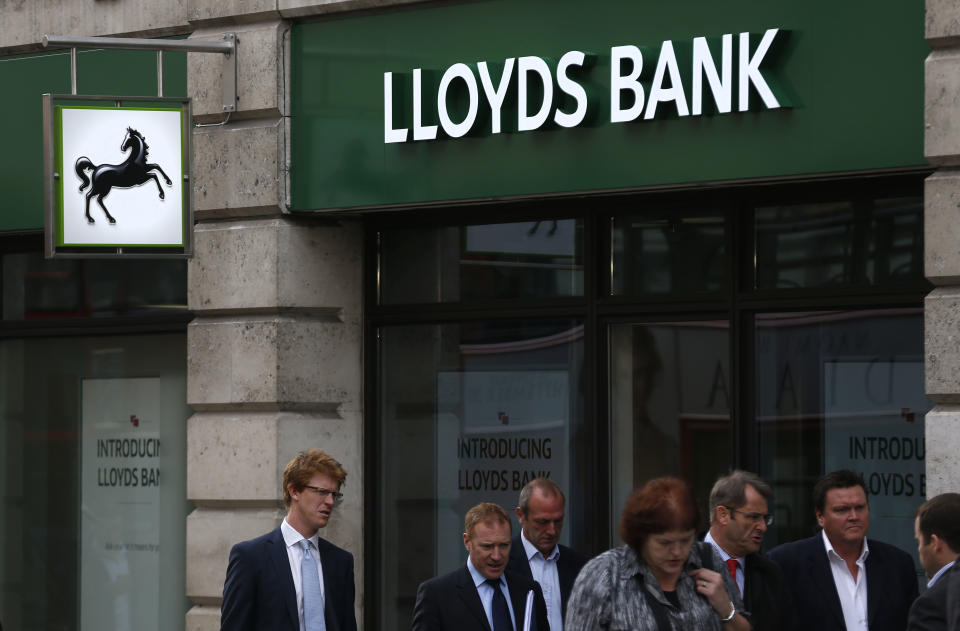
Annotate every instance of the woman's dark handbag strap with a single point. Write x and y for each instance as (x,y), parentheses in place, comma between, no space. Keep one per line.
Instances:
(659,610)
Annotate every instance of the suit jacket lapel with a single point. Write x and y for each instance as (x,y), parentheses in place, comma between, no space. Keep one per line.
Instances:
(518,598)
(821,578)
(281,565)
(875,583)
(751,581)
(519,556)
(567,577)
(329,586)
(470,597)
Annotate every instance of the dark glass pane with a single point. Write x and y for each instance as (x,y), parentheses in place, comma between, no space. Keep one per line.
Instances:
(100,517)
(469,413)
(675,252)
(841,243)
(669,406)
(526,260)
(35,287)
(842,390)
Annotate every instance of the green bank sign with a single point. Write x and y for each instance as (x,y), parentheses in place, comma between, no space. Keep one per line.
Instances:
(460,101)
(487,100)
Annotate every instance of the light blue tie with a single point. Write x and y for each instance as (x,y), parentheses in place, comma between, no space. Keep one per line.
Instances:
(312,596)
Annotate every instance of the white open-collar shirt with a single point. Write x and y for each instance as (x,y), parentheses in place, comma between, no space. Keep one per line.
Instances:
(852,593)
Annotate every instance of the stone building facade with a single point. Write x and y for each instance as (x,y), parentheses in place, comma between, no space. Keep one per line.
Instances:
(276,346)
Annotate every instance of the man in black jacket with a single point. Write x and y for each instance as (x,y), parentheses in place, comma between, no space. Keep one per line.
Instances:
(839,579)
(937,529)
(484,594)
(739,517)
(536,552)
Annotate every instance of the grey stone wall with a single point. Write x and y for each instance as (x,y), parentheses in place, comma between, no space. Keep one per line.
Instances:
(942,246)
(274,354)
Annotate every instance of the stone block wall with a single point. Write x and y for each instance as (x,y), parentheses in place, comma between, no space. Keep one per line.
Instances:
(274,354)
(942,246)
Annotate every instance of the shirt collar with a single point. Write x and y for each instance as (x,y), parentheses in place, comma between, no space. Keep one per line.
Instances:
(940,573)
(292,538)
(531,550)
(832,554)
(478,578)
(723,553)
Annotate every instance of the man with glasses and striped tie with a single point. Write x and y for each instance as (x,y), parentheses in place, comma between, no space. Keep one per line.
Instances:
(291,579)
(739,516)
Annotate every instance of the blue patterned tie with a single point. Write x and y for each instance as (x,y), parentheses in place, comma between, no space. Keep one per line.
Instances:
(501,613)
(312,596)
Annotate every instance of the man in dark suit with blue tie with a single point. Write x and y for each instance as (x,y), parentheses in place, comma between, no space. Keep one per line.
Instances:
(840,580)
(535,551)
(482,595)
(937,530)
(290,579)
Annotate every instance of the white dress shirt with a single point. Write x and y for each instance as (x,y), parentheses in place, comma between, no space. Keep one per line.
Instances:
(741,561)
(292,539)
(852,593)
(485,590)
(545,572)
(940,573)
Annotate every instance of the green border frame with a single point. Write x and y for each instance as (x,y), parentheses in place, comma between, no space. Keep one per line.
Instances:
(53,106)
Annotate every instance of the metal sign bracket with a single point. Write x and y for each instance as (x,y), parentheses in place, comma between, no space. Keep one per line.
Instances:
(227,46)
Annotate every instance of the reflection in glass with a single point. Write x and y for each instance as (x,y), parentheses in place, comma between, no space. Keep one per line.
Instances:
(842,389)
(532,259)
(469,413)
(675,252)
(841,243)
(669,406)
(65,495)
(35,287)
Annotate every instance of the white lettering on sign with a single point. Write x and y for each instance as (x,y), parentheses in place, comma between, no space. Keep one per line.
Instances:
(721,84)
(537,81)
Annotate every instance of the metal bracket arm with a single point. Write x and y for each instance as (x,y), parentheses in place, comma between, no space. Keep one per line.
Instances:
(227,47)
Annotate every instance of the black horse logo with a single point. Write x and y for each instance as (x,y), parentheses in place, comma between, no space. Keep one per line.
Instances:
(134,171)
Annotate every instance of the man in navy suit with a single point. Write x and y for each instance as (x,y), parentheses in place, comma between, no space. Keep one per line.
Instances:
(483,595)
(739,516)
(271,583)
(937,530)
(535,551)
(841,580)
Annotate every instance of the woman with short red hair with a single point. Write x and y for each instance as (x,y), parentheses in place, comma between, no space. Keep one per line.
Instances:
(660,580)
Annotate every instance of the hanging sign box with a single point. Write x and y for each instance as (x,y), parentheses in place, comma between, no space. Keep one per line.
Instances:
(117,177)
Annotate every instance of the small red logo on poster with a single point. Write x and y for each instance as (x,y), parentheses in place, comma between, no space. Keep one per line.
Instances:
(134,420)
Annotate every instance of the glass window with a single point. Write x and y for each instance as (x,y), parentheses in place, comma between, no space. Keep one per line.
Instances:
(527,260)
(672,252)
(669,406)
(93,482)
(470,413)
(842,390)
(36,288)
(841,243)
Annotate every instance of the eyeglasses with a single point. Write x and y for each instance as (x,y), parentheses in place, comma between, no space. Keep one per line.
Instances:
(754,517)
(324,493)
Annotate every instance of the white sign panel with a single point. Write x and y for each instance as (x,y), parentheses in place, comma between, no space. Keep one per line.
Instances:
(120,505)
(121,172)
(874,425)
(496,431)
